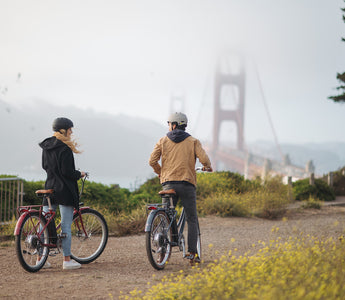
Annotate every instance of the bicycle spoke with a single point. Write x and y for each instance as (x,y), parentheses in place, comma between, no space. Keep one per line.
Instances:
(29,243)
(89,236)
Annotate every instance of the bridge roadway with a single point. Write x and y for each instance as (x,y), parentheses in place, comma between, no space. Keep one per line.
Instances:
(251,165)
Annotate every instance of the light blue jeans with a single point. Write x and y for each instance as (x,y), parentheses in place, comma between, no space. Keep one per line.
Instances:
(66,223)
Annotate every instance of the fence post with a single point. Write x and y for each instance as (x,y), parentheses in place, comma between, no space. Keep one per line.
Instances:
(290,188)
(246,165)
(330,179)
(11,196)
(312,179)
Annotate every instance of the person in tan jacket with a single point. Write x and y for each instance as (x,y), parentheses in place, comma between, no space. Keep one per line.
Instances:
(178,152)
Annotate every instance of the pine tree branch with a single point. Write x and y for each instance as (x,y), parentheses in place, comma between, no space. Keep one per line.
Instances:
(341,77)
(339,98)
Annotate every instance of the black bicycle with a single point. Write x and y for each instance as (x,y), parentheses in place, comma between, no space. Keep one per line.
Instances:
(37,236)
(163,231)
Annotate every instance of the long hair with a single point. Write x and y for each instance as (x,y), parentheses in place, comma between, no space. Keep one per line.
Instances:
(61,135)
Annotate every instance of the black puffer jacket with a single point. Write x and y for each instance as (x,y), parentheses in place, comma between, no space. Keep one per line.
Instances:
(58,161)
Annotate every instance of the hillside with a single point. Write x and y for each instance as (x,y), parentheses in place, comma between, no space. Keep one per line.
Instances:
(115,148)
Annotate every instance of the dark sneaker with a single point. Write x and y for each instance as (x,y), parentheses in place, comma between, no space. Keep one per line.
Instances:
(193,259)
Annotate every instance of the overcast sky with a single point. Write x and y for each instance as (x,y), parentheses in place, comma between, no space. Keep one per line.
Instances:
(132,57)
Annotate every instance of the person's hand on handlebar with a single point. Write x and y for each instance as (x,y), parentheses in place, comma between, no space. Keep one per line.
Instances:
(83,174)
(207,169)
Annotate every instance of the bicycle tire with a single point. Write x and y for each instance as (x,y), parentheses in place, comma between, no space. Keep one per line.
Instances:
(158,240)
(29,246)
(198,244)
(181,224)
(87,248)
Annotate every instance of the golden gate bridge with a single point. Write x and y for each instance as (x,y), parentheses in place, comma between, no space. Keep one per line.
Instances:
(229,85)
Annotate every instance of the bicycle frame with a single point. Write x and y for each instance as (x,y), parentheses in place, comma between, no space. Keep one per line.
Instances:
(160,207)
(39,228)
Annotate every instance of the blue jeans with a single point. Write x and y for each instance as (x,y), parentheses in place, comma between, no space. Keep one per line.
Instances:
(187,193)
(66,223)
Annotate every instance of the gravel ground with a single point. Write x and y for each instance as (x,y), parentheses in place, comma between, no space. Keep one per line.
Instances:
(124,266)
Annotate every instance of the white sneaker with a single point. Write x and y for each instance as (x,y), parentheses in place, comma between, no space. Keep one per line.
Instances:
(47,265)
(70,265)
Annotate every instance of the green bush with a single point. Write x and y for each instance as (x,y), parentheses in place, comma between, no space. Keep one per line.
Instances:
(302,190)
(338,182)
(224,205)
(149,191)
(30,198)
(268,200)
(312,203)
(112,197)
(222,182)
(297,268)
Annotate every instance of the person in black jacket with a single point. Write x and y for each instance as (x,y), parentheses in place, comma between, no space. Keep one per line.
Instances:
(62,177)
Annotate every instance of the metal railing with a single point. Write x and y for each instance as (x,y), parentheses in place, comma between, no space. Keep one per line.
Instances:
(11,196)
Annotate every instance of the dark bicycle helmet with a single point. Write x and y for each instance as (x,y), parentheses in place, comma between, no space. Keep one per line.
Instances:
(62,123)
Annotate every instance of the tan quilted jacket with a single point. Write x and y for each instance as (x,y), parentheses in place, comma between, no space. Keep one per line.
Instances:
(178,159)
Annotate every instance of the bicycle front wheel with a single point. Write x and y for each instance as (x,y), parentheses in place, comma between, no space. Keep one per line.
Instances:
(30,249)
(198,243)
(158,240)
(89,236)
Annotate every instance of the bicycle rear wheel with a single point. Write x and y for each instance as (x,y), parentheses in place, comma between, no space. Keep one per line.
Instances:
(29,243)
(89,236)
(158,240)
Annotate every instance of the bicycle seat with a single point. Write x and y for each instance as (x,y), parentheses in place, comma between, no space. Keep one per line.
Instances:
(44,192)
(167,192)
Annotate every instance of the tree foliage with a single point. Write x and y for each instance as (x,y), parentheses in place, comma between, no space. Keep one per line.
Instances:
(341,78)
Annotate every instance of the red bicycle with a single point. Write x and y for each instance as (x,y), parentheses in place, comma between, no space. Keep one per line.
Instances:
(37,236)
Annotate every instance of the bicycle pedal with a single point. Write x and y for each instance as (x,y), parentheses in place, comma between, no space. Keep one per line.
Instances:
(54,253)
(62,235)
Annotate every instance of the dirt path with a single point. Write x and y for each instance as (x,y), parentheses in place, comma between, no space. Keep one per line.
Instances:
(124,266)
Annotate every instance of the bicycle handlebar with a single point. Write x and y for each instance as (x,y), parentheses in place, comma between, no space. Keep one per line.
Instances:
(83,179)
(204,169)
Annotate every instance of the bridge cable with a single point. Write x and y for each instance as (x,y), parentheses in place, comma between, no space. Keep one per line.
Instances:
(268,113)
(198,118)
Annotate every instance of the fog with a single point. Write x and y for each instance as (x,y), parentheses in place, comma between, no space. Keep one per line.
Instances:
(133,57)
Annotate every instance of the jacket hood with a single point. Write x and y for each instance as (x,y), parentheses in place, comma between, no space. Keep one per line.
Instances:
(177,135)
(51,143)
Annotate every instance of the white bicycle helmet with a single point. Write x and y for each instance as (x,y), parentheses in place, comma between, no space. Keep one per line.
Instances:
(179,118)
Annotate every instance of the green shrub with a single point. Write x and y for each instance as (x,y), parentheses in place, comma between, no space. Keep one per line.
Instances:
(224,205)
(338,182)
(149,190)
(30,198)
(112,197)
(122,224)
(299,268)
(268,200)
(222,182)
(303,190)
(312,203)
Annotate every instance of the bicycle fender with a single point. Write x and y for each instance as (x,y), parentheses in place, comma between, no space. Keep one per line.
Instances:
(84,208)
(19,223)
(150,219)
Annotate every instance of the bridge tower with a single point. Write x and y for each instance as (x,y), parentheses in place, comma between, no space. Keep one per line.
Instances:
(229,97)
